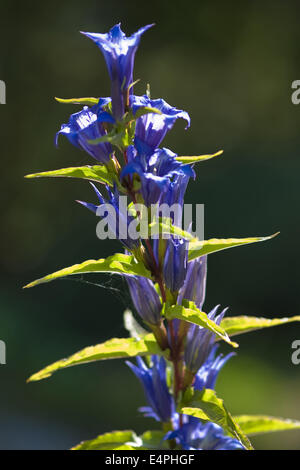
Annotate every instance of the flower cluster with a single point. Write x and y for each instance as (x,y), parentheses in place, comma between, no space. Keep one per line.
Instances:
(135,126)
(165,273)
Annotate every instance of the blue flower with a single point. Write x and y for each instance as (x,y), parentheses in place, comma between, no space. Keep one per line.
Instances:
(145,299)
(153,379)
(195,435)
(88,125)
(200,342)
(117,217)
(175,263)
(173,198)
(208,373)
(194,287)
(151,128)
(119,52)
(156,172)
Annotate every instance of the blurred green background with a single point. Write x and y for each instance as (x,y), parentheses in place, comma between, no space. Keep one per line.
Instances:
(230,65)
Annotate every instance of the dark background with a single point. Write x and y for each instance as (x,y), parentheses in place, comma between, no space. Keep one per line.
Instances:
(230,65)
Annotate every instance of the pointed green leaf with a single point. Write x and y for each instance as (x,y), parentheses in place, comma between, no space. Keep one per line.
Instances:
(117,264)
(153,440)
(98,173)
(108,441)
(201,248)
(164,226)
(115,348)
(244,324)
(146,110)
(200,158)
(194,315)
(82,101)
(206,405)
(259,424)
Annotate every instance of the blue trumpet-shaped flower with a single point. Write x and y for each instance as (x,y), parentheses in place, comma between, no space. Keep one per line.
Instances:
(156,173)
(153,379)
(193,434)
(200,342)
(88,125)
(119,52)
(173,198)
(207,375)
(151,128)
(145,299)
(117,217)
(194,287)
(207,436)
(175,263)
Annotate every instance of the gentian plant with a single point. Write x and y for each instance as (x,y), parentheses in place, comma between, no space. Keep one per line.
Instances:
(174,347)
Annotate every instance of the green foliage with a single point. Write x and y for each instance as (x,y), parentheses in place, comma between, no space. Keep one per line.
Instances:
(116,440)
(201,248)
(164,226)
(124,440)
(200,158)
(207,406)
(82,101)
(243,324)
(260,424)
(116,264)
(153,440)
(193,315)
(98,173)
(146,110)
(112,349)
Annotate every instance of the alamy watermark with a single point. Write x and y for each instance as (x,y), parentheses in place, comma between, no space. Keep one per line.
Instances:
(2,352)
(137,221)
(295,357)
(295,96)
(2,92)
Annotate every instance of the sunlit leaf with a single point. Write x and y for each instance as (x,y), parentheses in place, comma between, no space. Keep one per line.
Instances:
(260,424)
(115,440)
(153,440)
(194,315)
(199,158)
(98,173)
(82,101)
(146,110)
(115,348)
(117,264)
(206,405)
(244,324)
(202,248)
(164,226)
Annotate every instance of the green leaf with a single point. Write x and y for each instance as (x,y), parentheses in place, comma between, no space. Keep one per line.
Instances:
(124,440)
(153,440)
(117,264)
(206,405)
(115,440)
(163,225)
(114,348)
(259,424)
(194,315)
(98,173)
(244,324)
(82,101)
(146,110)
(200,158)
(201,248)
